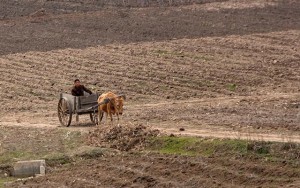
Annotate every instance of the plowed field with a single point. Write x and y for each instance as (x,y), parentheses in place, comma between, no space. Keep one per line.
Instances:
(227,68)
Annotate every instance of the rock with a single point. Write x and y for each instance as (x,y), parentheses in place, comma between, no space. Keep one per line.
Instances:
(39,13)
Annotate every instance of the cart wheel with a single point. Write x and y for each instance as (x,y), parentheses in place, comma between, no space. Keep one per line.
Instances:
(64,112)
(94,118)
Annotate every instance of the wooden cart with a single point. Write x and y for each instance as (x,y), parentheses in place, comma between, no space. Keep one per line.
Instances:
(69,105)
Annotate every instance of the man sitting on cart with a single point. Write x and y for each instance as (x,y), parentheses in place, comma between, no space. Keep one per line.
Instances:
(78,89)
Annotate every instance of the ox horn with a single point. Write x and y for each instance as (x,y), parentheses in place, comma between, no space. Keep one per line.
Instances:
(122,95)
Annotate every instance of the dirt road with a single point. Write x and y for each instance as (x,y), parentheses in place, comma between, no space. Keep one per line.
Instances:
(163,115)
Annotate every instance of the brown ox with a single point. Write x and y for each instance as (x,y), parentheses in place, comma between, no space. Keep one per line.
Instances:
(113,106)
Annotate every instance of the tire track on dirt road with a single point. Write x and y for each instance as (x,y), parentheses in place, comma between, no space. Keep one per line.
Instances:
(168,128)
(217,132)
(266,137)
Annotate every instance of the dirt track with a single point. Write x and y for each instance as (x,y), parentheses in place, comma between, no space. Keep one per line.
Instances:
(194,124)
(217,68)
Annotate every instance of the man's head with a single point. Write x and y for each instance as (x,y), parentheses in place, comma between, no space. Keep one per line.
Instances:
(77,83)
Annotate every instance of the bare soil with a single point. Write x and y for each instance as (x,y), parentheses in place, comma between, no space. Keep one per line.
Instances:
(212,68)
(134,168)
(167,171)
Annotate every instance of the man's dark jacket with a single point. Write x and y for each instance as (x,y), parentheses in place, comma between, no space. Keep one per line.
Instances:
(79,91)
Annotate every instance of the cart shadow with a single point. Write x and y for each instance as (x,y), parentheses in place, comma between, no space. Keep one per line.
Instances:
(80,125)
(83,124)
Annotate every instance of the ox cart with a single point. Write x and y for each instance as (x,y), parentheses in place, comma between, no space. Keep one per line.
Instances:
(69,105)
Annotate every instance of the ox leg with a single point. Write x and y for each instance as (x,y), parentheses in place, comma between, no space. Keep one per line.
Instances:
(106,118)
(117,113)
(100,116)
(109,112)
(118,116)
(110,115)
(111,118)
(111,121)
